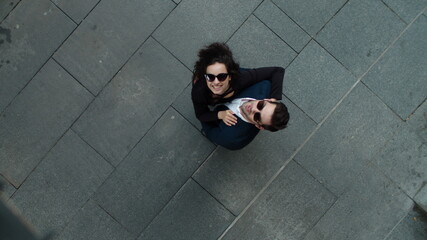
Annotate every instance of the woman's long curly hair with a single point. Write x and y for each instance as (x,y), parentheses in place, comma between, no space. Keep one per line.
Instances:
(215,52)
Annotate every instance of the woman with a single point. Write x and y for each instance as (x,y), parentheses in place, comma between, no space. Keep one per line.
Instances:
(217,79)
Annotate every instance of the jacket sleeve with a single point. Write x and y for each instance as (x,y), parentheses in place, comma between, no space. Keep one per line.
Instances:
(274,74)
(201,109)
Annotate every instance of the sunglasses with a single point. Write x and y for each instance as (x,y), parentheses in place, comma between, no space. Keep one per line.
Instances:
(221,77)
(257,116)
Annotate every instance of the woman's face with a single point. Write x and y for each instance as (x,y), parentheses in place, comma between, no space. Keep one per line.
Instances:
(216,86)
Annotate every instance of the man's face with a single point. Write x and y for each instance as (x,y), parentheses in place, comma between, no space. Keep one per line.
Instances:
(258,112)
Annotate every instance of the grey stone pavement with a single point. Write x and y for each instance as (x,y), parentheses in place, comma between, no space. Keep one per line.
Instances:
(98,138)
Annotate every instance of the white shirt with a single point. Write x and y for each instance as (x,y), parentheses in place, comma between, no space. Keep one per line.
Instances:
(235,106)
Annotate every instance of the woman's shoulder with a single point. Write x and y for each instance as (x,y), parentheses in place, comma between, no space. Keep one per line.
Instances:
(198,92)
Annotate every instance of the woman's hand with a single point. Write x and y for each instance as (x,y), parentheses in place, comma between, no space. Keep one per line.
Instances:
(227,117)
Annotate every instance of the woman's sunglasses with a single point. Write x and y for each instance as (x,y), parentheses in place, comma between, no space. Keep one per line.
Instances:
(221,77)
(257,116)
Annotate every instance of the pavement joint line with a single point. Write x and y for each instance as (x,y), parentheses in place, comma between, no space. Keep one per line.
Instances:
(291,20)
(395,226)
(171,53)
(66,70)
(164,207)
(330,19)
(11,10)
(391,9)
(243,22)
(131,55)
(37,72)
(316,129)
(336,59)
(60,9)
(272,31)
(109,214)
(217,200)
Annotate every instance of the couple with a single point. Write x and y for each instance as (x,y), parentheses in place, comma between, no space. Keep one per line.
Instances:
(232,103)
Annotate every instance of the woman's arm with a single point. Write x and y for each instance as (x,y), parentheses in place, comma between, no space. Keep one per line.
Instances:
(273,74)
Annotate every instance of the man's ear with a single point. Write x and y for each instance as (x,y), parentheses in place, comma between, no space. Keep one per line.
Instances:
(259,126)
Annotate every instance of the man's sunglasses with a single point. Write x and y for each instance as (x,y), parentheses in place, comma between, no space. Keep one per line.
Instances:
(257,116)
(221,77)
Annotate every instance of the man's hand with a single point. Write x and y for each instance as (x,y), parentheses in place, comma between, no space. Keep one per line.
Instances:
(227,117)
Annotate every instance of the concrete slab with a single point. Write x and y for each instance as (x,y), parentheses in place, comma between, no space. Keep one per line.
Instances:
(184,105)
(288,209)
(367,211)
(282,25)
(24,47)
(407,10)
(310,15)
(413,227)
(133,102)
(91,222)
(61,184)
(235,177)
(421,198)
(37,118)
(153,172)
(417,122)
(106,39)
(254,45)
(359,33)
(192,214)
(315,81)
(189,27)
(399,77)
(403,159)
(6,7)
(6,189)
(76,10)
(341,149)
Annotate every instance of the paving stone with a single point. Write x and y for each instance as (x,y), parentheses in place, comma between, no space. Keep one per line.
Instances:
(254,45)
(288,209)
(77,10)
(6,189)
(191,214)
(403,159)
(184,105)
(341,149)
(28,37)
(184,38)
(61,184)
(359,33)
(418,122)
(315,81)
(235,177)
(133,102)
(407,10)
(107,37)
(37,118)
(177,1)
(6,7)
(367,211)
(413,227)
(310,15)
(421,197)
(153,172)
(399,78)
(282,25)
(93,223)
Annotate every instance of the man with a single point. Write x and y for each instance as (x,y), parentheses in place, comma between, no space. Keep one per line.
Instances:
(264,114)
(253,115)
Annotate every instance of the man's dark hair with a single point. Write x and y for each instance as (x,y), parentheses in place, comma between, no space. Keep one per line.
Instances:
(280,118)
(215,53)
